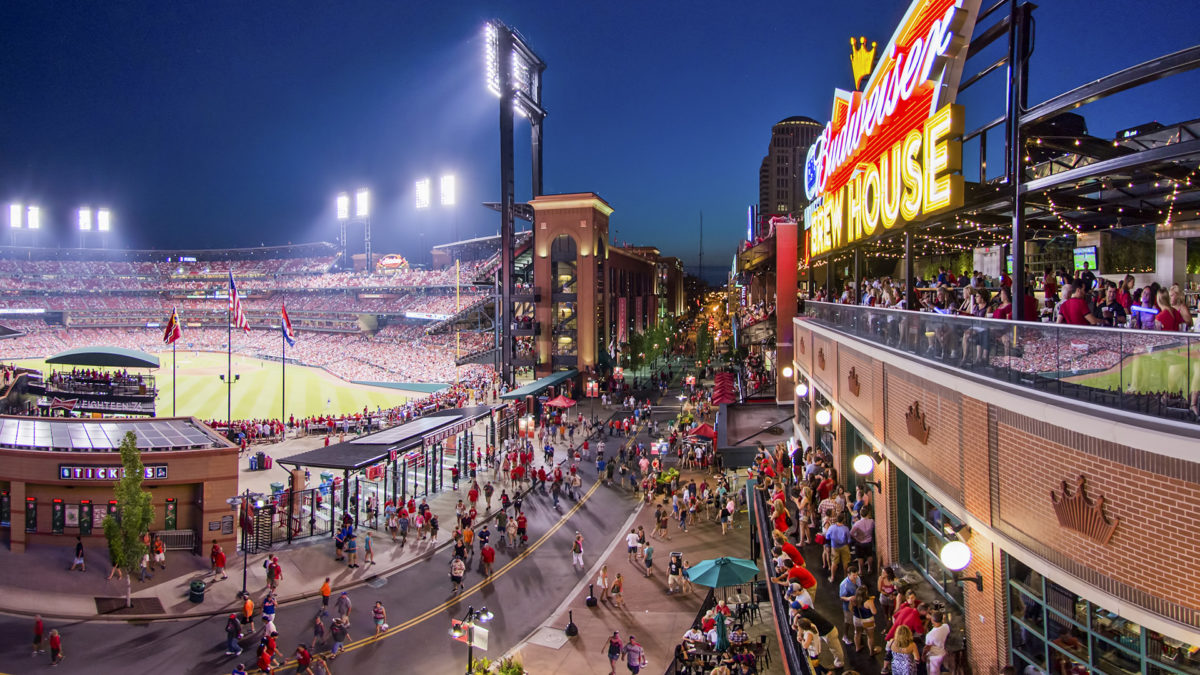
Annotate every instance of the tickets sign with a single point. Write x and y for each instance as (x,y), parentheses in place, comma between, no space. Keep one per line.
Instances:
(890,153)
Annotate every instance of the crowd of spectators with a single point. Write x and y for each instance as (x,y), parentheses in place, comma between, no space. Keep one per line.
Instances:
(399,353)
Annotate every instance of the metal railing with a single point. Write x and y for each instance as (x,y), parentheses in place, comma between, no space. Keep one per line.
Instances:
(1154,373)
(793,660)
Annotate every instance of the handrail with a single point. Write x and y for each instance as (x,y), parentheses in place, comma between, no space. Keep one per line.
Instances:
(761,528)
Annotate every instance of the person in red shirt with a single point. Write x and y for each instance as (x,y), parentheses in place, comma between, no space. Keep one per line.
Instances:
(217,557)
(1168,318)
(1050,285)
(825,487)
(909,616)
(1075,311)
(56,655)
(487,555)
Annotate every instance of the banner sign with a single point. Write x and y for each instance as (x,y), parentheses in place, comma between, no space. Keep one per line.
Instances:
(107,473)
(891,153)
(446,432)
(622,320)
(428,316)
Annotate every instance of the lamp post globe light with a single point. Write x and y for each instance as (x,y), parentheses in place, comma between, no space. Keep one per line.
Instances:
(864,465)
(465,627)
(955,556)
(787,372)
(824,417)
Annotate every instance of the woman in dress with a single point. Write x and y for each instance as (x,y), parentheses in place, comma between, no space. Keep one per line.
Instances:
(906,658)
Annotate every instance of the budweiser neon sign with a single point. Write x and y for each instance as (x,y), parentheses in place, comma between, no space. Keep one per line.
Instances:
(889,153)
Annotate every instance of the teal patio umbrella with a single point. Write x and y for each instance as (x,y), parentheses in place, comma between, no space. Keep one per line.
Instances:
(722,634)
(723,572)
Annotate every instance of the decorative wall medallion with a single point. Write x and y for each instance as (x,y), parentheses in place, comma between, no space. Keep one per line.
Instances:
(820,358)
(802,344)
(1077,512)
(852,381)
(916,423)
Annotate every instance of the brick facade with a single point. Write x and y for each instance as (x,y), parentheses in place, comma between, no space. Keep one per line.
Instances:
(997,468)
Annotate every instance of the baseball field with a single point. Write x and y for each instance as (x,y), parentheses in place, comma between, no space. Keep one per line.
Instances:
(256,392)
(1160,371)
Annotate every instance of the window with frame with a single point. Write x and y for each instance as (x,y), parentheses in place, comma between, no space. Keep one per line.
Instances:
(930,527)
(1055,630)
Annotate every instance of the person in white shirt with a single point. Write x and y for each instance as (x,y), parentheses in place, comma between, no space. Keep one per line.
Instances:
(935,642)
(694,636)
(633,543)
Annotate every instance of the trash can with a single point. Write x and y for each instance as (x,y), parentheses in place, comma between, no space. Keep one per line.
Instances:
(760,591)
(253,463)
(276,488)
(196,591)
(262,460)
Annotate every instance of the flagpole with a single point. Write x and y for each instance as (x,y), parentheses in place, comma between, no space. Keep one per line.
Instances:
(229,359)
(457,309)
(283,396)
(173,377)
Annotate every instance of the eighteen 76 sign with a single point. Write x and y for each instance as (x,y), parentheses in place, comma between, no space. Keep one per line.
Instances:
(889,153)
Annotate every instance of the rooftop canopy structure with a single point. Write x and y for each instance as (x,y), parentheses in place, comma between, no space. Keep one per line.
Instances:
(537,386)
(104,357)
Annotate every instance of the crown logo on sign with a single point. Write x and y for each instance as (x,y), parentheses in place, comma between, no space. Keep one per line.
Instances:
(861,59)
(821,358)
(852,381)
(1077,512)
(801,345)
(916,423)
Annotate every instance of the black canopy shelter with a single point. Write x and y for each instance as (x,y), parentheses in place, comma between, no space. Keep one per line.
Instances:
(390,446)
(104,357)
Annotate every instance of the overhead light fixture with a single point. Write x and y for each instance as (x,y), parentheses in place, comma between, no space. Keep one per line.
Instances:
(103,220)
(15,214)
(448,195)
(424,198)
(34,218)
(343,206)
(362,203)
(85,219)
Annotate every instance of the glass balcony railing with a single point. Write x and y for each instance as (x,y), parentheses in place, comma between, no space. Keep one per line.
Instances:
(1153,373)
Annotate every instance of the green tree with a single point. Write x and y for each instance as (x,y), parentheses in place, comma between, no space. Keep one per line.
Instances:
(125,529)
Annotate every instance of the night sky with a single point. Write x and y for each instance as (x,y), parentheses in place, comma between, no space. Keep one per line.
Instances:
(222,124)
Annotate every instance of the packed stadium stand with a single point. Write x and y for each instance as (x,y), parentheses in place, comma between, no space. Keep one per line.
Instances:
(360,325)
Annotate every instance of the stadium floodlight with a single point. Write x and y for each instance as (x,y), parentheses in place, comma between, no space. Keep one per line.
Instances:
(423,194)
(33,218)
(343,206)
(526,69)
(362,203)
(14,215)
(448,195)
(85,219)
(103,220)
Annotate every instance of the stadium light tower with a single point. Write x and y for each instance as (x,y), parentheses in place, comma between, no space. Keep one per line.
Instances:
(423,197)
(447,193)
(513,73)
(361,214)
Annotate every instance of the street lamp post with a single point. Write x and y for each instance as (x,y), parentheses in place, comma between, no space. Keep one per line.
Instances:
(248,498)
(466,626)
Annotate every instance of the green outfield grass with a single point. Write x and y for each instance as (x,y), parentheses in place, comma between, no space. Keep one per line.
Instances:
(310,391)
(1165,370)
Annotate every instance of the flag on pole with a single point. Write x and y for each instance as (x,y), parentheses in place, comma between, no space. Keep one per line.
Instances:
(235,306)
(173,332)
(288,334)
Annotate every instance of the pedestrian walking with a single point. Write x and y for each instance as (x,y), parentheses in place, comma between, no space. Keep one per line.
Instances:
(56,652)
(78,562)
(613,649)
(604,583)
(368,550)
(303,660)
(432,522)
(635,655)
(217,558)
(340,632)
(487,555)
(320,633)
(618,585)
(632,544)
(268,612)
(160,551)
(343,607)
(247,613)
(577,551)
(352,551)
(457,569)
(239,669)
(39,632)
(648,558)
(510,532)
(379,615)
(233,632)
(326,591)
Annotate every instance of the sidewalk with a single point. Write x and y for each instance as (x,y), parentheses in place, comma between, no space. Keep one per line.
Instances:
(38,581)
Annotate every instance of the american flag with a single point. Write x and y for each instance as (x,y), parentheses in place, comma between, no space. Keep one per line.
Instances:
(235,306)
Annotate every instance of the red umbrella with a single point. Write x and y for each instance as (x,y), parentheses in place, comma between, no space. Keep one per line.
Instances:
(560,402)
